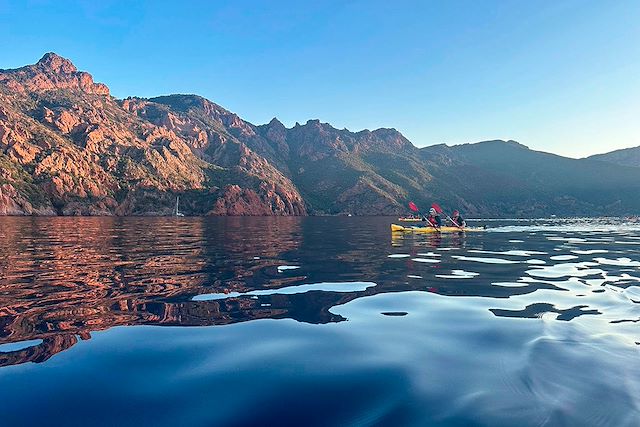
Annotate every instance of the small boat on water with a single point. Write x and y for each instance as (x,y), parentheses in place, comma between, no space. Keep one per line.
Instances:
(178,213)
(429,229)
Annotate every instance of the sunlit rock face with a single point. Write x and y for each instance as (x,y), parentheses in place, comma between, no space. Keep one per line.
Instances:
(68,148)
(51,72)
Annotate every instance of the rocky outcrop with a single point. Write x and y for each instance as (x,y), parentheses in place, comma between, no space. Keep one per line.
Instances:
(13,203)
(66,147)
(268,199)
(50,72)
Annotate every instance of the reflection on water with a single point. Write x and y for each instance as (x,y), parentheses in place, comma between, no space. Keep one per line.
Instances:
(569,286)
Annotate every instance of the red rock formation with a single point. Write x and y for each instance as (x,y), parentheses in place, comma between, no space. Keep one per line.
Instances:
(51,72)
(85,153)
(71,146)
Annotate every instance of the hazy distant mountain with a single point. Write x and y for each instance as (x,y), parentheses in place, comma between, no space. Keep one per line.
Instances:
(68,147)
(507,178)
(624,157)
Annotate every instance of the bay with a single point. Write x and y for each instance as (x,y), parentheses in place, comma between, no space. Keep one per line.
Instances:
(318,321)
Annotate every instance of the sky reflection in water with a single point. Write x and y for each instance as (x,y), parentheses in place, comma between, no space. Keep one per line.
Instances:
(529,323)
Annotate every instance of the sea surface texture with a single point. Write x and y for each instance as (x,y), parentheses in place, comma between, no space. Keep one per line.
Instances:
(318,321)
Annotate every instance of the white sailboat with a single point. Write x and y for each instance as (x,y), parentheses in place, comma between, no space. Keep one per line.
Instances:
(178,213)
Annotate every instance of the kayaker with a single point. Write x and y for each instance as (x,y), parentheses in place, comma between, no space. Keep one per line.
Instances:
(457,220)
(434,218)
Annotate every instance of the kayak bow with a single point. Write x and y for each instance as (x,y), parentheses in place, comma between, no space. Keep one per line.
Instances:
(395,227)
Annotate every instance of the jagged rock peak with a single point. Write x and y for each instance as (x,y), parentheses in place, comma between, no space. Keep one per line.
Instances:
(318,125)
(51,72)
(276,123)
(57,63)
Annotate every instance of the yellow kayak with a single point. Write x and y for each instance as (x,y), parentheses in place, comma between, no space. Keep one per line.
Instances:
(428,229)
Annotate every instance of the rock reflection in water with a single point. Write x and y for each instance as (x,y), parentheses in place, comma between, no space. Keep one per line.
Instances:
(63,278)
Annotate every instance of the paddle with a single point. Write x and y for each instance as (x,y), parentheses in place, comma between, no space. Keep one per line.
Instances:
(414,208)
(440,211)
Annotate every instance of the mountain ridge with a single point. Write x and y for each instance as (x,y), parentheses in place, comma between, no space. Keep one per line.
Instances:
(67,147)
(623,157)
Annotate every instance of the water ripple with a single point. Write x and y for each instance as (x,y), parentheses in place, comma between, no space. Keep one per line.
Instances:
(530,323)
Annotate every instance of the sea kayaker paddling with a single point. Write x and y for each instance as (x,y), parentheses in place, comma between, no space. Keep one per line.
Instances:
(434,218)
(457,220)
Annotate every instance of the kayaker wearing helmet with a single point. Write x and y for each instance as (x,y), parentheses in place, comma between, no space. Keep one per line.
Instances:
(457,220)
(434,218)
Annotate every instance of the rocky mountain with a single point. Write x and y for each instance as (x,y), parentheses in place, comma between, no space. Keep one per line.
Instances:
(69,148)
(505,178)
(624,157)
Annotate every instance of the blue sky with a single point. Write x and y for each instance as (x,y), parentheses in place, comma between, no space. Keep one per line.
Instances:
(558,76)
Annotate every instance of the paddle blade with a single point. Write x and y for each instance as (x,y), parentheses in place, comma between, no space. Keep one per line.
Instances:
(413,207)
(437,208)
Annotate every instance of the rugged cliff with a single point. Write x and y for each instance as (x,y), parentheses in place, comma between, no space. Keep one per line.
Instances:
(68,148)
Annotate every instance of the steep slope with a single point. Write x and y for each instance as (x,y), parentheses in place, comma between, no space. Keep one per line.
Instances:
(506,178)
(338,171)
(216,136)
(624,157)
(67,147)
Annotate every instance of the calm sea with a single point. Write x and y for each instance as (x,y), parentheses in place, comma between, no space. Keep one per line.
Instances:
(318,321)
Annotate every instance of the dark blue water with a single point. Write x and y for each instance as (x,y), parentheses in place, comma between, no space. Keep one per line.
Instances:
(318,321)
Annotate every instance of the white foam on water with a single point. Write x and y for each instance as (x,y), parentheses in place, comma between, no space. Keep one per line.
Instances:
(563,257)
(621,262)
(426,260)
(510,284)
(485,260)
(589,251)
(429,254)
(458,274)
(398,256)
(508,253)
(580,269)
(282,268)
